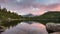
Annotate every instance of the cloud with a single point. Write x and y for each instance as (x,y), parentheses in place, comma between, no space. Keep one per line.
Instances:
(48,2)
(27,3)
(24,6)
(54,7)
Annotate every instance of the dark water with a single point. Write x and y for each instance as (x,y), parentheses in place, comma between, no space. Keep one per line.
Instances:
(27,27)
(14,23)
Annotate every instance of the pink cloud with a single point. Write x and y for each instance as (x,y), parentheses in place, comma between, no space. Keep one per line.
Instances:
(54,7)
(42,9)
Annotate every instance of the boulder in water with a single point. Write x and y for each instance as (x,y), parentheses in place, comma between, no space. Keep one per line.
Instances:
(53,27)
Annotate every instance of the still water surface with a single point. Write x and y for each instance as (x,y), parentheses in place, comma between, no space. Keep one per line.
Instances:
(27,28)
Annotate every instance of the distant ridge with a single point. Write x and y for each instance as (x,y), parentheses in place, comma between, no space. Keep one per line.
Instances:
(29,15)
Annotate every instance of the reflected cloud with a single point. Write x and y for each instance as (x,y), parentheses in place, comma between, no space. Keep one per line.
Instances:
(25,28)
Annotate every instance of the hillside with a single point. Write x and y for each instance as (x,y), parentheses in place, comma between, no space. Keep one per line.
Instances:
(51,15)
(4,14)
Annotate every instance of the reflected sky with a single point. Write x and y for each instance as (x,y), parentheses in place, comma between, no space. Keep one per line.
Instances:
(25,28)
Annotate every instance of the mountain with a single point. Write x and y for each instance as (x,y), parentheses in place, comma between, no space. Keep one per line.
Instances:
(28,15)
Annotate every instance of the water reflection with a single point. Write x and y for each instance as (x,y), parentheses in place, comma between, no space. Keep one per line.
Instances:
(27,28)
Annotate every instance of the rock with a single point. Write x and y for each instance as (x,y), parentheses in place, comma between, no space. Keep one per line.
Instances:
(53,27)
(1,29)
(55,33)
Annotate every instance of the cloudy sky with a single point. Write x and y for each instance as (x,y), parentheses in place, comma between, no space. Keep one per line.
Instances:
(35,7)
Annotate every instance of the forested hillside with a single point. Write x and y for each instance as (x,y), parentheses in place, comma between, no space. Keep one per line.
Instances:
(4,14)
(51,15)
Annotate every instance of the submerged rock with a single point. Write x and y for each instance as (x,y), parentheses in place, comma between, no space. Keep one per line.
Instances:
(1,29)
(25,28)
(55,33)
(53,27)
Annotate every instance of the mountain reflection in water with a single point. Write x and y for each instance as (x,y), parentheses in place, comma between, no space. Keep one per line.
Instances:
(27,28)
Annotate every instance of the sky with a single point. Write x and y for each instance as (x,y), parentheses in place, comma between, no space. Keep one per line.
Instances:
(35,7)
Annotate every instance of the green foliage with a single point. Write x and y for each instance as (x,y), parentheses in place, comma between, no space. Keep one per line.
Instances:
(4,14)
(51,15)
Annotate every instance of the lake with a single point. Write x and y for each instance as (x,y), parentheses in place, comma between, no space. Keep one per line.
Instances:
(26,27)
